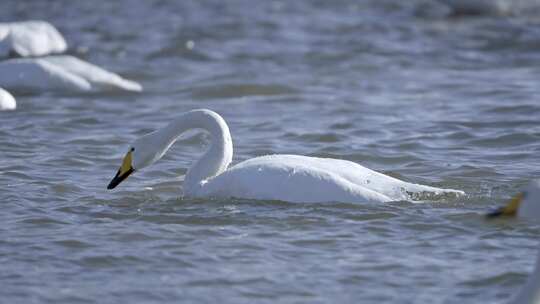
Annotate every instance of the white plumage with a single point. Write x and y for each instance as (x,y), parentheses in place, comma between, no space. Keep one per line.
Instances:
(30,38)
(60,73)
(7,101)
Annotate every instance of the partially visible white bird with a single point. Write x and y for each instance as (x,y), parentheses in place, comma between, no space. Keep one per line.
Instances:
(292,178)
(530,292)
(525,204)
(60,73)
(7,102)
(30,38)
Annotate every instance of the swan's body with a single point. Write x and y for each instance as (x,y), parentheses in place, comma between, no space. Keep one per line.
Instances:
(7,102)
(60,73)
(30,38)
(290,178)
(297,178)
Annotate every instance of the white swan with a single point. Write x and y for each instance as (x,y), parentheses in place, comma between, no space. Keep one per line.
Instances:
(290,178)
(61,73)
(525,204)
(7,102)
(30,38)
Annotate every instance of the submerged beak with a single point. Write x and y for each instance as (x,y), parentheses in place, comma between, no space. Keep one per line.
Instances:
(125,170)
(510,209)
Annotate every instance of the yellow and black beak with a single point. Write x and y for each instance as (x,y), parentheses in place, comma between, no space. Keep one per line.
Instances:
(125,170)
(510,209)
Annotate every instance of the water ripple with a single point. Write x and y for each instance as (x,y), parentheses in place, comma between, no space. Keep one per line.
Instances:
(414,89)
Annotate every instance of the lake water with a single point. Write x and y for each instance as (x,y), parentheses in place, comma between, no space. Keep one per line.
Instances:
(409,88)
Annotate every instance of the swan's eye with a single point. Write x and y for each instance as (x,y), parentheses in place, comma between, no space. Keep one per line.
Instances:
(132,149)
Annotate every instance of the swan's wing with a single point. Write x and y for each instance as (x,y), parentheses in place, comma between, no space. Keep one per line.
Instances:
(31,38)
(38,75)
(265,179)
(99,78)
(378,182)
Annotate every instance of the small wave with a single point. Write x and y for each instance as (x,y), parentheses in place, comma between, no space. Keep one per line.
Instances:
(242,90)
(316,137)
(43,221)
(476,8)
(73,244)
(106,261)
(502,278)
(514,139)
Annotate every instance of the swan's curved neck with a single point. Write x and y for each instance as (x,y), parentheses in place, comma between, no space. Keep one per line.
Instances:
(218,156)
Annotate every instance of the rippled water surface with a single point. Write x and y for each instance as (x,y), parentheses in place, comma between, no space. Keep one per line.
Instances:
(410,88)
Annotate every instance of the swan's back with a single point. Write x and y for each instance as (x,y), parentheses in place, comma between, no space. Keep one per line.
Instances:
(61,73)
(38,75)
(309,179)
(30,38)
(99,78)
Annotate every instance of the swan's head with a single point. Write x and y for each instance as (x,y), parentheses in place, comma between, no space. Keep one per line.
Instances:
(142,153)
(525,204)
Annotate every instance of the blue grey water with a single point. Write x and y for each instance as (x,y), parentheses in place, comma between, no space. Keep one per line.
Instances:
(414,89)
